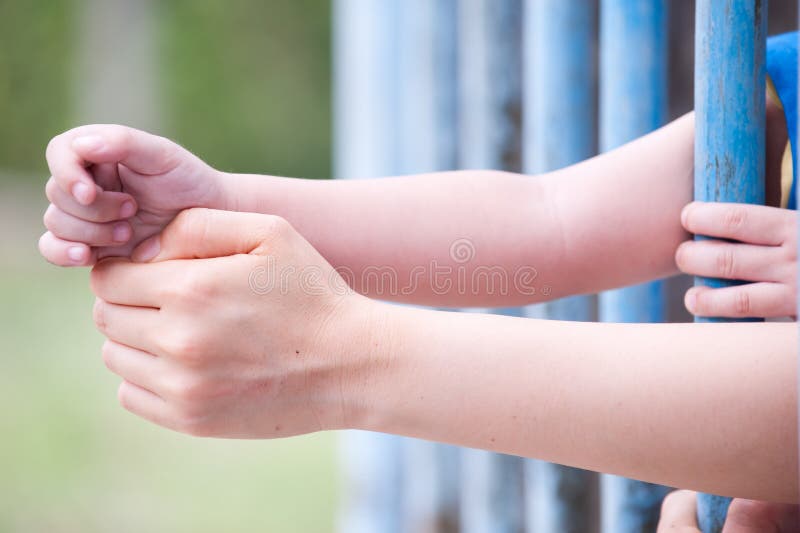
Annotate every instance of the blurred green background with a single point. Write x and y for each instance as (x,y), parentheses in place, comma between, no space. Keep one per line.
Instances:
(244,84)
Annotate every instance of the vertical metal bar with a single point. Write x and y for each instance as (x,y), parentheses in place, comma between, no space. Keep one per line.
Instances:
(633,102)
(729,131)
(365,97)
(490,69)
(427,128)
(559,127)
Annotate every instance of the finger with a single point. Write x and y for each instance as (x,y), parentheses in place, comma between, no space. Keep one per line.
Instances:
(70,228)
(140,151)
(679,512)
(65,253)
(755,224)
(106,175)
(108,205)
(70,153)
(761,299)
(204,233)
(117,280)
(751,516)
(69,170)
(136,327)
(135,366)
(718,259)
(145,404)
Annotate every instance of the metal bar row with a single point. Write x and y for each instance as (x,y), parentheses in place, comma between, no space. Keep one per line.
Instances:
(425,86)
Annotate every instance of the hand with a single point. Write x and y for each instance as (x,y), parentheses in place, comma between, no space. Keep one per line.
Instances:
(765,255)
(114,186)
(679,513)
(256,344)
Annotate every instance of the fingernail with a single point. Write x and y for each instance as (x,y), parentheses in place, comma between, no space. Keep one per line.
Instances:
(691,301)
(127,210)
(82,192)
(147,250)
(76,253)
(88,142)
(121,232)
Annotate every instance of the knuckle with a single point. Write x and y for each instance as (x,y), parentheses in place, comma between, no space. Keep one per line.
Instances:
(734,218)
(189,388)
(184,347)
(196,286)
(726,262)
(742,303)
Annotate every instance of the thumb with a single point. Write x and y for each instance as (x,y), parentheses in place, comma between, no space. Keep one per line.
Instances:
(204,233)
(140,151)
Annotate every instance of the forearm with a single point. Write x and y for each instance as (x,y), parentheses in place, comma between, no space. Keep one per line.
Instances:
(395,238)
(710,407)
(609,221)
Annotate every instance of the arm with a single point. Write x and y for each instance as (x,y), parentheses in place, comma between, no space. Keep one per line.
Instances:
(204,350)
(610,221)
(711,407)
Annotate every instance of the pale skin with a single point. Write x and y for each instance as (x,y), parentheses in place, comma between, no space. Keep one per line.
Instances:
(201,351)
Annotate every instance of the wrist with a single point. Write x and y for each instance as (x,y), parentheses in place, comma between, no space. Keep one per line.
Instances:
(225,196)
(367,356)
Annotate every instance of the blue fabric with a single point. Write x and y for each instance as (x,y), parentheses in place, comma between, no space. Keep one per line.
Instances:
(782,70)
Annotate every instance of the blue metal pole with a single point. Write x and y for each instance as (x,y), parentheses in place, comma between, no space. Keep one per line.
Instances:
(559,126)
(490,70)
(633,102)
(427,127)
(730,52)
(365,108)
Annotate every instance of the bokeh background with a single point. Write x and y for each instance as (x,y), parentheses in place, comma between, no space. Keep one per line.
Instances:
(243,83)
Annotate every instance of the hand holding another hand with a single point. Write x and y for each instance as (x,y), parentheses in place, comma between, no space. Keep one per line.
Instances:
(236,327)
